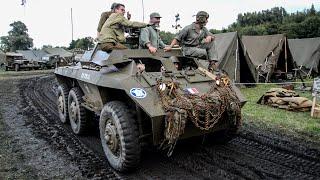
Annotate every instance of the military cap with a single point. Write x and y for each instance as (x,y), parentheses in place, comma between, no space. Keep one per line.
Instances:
(114,5)
(202,13)
(155,15)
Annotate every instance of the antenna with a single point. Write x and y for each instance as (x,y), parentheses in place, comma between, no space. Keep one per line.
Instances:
(142,11)
(23,3)
(177,26)
(71,25)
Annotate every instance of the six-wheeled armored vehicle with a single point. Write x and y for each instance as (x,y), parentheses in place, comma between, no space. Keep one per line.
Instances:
(142,98)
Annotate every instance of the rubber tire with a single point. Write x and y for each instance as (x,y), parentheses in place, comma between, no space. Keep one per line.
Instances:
(43,67)
(64,91)
(128,132)
(16,67)
(82,126)
(226,135)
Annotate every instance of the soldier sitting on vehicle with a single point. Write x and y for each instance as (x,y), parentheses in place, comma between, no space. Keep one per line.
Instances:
(150,36)
(196,40)
(103,18)
(112,32)
(105,15)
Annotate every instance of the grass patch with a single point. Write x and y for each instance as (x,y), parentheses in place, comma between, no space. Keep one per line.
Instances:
(295,123)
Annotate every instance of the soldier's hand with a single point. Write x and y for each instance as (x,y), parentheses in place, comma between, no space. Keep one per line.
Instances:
(152,49)
(167,48)
(208,39)
(128,15)
(141,67)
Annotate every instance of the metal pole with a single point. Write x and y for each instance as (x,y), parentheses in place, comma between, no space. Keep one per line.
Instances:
(142,11)
(71,25)
(237,61)
(285,53)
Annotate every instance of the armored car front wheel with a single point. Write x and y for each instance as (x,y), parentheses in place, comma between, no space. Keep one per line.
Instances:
(119,136)
(62,103)
(77,113)
(226,135)
(16,67)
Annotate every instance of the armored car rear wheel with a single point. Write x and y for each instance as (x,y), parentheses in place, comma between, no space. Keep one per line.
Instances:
(62,103)
(77,113)
(119,136)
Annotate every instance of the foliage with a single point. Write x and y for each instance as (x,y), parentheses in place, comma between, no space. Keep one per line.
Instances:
(82,43)
(17,39)
(166,37)
(277,21)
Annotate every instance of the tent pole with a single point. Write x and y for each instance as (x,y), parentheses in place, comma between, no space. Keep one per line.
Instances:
(237,60)
(285,53)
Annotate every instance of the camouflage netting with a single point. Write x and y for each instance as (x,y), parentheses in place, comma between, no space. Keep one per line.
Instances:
(285,99)
(204,110)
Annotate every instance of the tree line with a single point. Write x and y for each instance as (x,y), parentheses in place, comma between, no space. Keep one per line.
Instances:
(277,20)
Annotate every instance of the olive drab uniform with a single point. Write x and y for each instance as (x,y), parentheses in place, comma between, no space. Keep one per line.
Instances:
(103,19)
(193,44)
(151,35)
(112,32)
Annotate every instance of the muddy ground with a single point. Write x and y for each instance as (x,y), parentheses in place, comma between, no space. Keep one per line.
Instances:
(34,145)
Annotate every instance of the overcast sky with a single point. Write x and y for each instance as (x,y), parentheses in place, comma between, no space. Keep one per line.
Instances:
(49,21)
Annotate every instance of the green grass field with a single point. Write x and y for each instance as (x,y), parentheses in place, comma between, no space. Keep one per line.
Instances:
(295,123)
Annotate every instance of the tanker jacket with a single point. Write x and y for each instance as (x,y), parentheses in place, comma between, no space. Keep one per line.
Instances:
(113,29)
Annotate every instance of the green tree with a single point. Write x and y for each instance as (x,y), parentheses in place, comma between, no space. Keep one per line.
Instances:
(215,31)
(166,37)
(310,27)
(47,46)
(276,20)
(82,43)
(17,39)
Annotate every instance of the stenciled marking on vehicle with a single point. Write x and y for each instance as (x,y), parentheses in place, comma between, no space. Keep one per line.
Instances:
(138,93)
(85,76)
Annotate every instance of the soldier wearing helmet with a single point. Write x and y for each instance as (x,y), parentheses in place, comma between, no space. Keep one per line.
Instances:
(196,40)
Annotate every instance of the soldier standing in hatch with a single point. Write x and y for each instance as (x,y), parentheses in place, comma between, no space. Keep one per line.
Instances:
(112,32)
(150,36)
(196,40)
(105,15)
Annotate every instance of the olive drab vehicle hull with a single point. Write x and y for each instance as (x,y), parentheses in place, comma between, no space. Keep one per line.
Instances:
(144,98)
(16,61)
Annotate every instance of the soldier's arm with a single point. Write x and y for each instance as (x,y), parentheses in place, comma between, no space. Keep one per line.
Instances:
(125,22)
(174,42)
(144,37)
(162,44)
(182,34)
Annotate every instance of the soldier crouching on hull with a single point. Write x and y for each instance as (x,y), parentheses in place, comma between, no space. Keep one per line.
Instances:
(196,40)
(150,36)
(112,32)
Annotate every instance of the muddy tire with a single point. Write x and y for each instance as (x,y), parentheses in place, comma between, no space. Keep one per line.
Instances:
(16,67)
(62,102)
(77,113)
(43,67)
(119,136)
(226,135)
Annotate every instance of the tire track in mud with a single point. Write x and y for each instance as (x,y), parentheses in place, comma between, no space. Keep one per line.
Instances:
(248,156)
(61,138)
